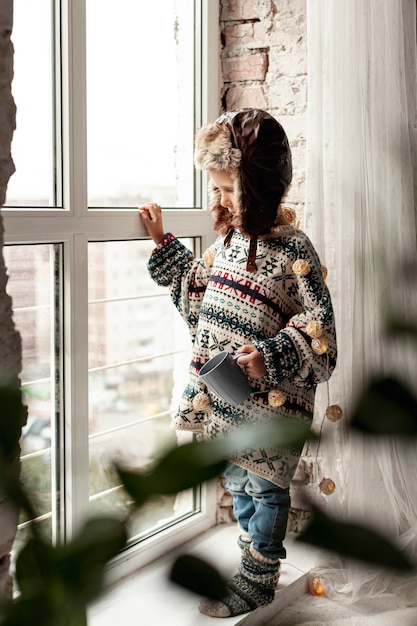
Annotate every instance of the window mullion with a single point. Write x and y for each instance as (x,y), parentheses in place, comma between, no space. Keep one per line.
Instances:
(75,268)
(57,414)
(74,107)
(56,160)
(76,382)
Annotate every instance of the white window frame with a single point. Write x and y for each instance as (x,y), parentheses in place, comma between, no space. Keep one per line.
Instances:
(74,226)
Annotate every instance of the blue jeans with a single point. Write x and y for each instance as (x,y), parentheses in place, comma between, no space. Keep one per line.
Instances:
(261,509)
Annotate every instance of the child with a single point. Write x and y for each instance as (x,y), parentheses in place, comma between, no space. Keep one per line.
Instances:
(259,289)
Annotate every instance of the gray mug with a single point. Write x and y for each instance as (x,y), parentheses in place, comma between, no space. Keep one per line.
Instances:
(223,375)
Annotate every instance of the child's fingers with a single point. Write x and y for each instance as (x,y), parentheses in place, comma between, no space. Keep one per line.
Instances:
(151,211)
(248,348)
(151,215)
(144,213)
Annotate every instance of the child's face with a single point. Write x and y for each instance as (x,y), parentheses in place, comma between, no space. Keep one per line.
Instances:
(223,180)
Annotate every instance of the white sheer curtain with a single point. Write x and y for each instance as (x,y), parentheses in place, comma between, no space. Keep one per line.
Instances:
(360,213)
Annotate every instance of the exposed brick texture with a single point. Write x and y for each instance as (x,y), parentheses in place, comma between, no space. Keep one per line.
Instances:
(238,10)
(250,67)
(242,97)
(251,35)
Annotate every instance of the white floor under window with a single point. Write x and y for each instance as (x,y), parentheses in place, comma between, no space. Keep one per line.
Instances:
(148,597)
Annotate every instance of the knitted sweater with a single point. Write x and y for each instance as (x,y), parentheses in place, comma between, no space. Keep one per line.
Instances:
(225,307)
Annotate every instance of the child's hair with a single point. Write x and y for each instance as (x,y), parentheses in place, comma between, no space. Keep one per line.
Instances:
(253,147)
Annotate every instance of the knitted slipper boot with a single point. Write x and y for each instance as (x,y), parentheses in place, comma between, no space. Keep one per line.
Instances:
(254,585)
(244,541)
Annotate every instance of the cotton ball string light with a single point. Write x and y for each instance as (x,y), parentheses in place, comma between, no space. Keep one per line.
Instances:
(314,329)
(316,586)
(276,397)
(319,345)
(334,412)
(289,214)
(208,256)
(301,267)
(201,401)
(327,486)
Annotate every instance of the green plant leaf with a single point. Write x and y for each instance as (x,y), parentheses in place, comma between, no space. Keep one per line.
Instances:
(33,565)
(198,576)
(12,418)
(25,612)
(62,581)
(191,464)
(400,328)
(81,563)
(36,611)
(179,469)
(387,407)
(287,432)
(353,540)
(11,487)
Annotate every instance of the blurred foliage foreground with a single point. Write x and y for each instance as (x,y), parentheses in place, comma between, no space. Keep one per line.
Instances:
(57,583)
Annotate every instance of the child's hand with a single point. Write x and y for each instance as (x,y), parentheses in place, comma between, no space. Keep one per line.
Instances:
(253,363)
(151,215)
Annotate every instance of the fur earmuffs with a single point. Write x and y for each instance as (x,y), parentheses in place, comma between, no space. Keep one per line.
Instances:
(253,147)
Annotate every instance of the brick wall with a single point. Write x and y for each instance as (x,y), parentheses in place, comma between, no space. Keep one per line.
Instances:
(264,65)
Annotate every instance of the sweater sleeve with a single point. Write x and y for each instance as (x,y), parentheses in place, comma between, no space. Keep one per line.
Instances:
(173,265)
(305,350)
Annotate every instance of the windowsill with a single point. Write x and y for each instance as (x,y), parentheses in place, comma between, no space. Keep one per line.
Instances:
(147,596)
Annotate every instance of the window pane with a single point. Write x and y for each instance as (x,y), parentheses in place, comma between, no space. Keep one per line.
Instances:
(140,103)
(33,182)
(139,352)
(31,286)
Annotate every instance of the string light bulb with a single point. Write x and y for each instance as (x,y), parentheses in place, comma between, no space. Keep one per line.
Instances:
(209,256)
(319,345)
(327,486)
(334,412)
(289,215)
(316,587)
(314,329)
(301,267)
(201,401)
(276,397)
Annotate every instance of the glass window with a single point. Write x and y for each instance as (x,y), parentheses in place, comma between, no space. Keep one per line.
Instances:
(140,99)
(105,354)
(32,287)
(139,350)
(35,179)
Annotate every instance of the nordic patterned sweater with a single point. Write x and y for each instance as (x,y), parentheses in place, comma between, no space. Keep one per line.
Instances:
(225,306)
